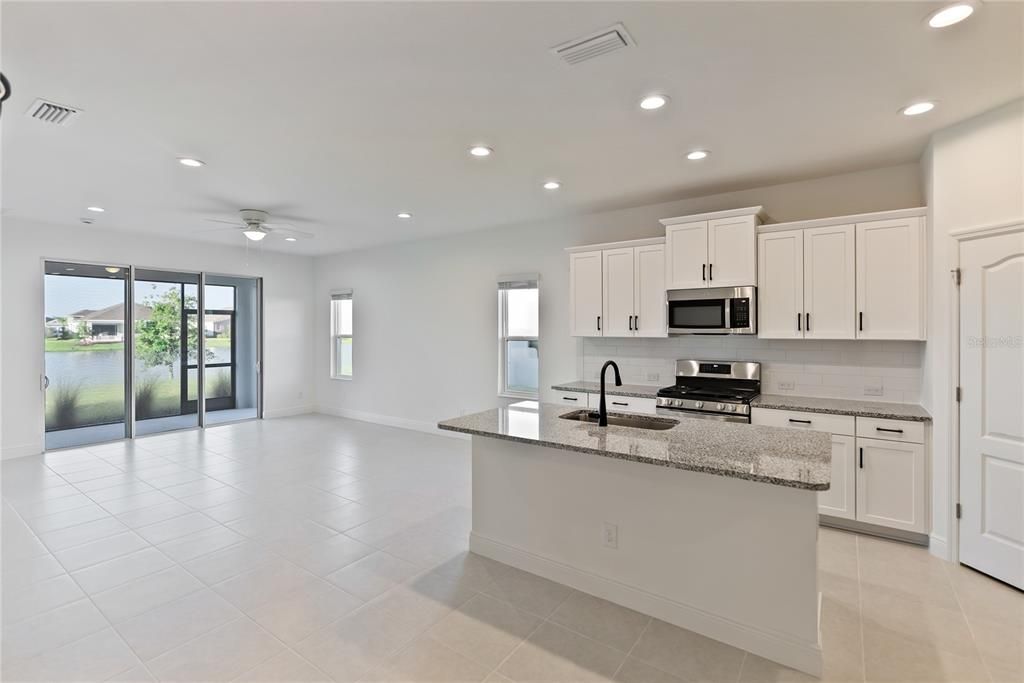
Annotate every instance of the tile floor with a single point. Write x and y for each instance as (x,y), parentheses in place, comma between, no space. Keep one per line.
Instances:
(315,548)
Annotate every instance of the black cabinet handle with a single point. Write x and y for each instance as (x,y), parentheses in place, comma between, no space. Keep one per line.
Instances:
(711,271)
(636,323)
(797,322)
(807,317)
(894,431)
(861,325)
(704,271)
(598,323)
(630,322)
(569,398)
(616,403)
(862,458)
(803,422)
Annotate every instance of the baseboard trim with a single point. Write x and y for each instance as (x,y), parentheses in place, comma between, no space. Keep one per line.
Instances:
(803,656)
(287,412)
(390,421)
(11,452)
(938,547)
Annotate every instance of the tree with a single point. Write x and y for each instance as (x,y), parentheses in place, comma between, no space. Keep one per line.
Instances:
(158,340)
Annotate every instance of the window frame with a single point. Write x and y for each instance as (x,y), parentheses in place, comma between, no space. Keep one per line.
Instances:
(337,339)
(533,282)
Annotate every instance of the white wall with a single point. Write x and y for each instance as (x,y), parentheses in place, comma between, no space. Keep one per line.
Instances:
(288,296)
(425,326)
(974,176)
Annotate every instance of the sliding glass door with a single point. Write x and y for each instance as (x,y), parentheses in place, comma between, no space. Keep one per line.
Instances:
(166,350)
(84,353)
(231,331)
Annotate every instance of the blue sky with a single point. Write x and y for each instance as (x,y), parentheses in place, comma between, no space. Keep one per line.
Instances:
(67,294)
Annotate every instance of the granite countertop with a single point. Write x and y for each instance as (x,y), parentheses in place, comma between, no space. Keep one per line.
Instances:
(632,390)
(785,457)
(842,406)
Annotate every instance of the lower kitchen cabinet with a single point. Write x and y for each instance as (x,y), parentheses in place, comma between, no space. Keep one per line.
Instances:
(840,500)
(625,404)
(891,484)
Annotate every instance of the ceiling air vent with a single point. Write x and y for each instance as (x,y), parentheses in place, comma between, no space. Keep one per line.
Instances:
(593,45)
(51,112)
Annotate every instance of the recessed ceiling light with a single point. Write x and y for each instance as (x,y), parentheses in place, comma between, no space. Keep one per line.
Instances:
(552,185)
(97,209)
(289,239)
(405,214)
(480,151)
(697,155)
(189,161)
(918,108)
(112,269)
(950,14)
(654,102)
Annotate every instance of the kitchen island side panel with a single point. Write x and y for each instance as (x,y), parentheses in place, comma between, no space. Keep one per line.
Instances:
(732,559)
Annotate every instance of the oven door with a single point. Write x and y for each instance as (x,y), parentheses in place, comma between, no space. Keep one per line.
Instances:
(725,310)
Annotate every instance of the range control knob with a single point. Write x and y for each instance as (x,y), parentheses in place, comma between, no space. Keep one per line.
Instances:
(721,406)
(732,409)
(698,404)
(677,402)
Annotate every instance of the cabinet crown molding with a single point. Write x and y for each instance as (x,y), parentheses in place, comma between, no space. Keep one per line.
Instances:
(919,211)
(757,211)
(616,245)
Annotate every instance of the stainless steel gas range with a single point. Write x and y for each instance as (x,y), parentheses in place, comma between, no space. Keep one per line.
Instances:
(713,389)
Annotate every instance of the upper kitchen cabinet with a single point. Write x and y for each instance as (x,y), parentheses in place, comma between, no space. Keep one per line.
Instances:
(712,249)
(890,279)
(618,289)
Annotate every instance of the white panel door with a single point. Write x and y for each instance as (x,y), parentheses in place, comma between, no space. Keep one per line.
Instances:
(649,291)
(891,484)
(992,407)
(585,287)
(840,499)
(686,255)
(780,282)
(617,319)
(890,279)
(732,252)
(829,283)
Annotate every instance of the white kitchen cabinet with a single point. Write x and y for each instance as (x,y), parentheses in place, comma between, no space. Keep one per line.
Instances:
(840,500)
(891,484)
(732,252)
(780,284)
(890,279)
(625,404)
(686,255)
(649,305)
(572,398)
(829,290)
(618,289)
(618,294)
(806,283)
(585,293)
(712,250)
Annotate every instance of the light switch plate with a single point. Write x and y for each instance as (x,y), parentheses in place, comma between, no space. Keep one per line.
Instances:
(873,390)
(653,376)
(787,386)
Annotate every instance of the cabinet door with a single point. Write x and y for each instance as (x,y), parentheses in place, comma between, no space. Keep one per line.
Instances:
(686,255)
(780,283)
(585,286)
(625,404)
(649,291)
(829,283)
(732,252)
(891,484)
(840,499)
(617,319)
(890,279)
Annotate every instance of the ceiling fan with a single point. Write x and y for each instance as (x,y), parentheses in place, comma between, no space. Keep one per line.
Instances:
(255,225)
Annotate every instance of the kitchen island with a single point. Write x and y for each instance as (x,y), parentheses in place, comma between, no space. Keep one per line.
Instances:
(708,525)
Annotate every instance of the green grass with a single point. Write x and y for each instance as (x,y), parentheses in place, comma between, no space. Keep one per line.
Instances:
(62,345)
(105,403)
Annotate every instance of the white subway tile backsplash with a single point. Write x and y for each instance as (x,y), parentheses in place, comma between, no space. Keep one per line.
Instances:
(826,368)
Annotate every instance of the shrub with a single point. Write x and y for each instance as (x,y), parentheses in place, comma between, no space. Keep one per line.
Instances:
(65,402)
(145,398)
(220,387)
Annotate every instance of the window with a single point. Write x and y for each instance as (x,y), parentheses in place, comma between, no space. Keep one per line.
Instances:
(518,345)
(341,335)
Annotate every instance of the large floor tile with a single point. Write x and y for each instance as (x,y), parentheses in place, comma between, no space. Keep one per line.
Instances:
(428,661)
(39,597)
(286,666)
(141,595)
(527,591)
(231,561)
(635,671)
(889,656)
(309,608)
(328,556)
(372,575)
(259,586)
(200,543)
(555,654)
(220,655)
(484,629)
(93,658)
(686,654)
(605,622)
(42,633)
(94,552)
(165,627)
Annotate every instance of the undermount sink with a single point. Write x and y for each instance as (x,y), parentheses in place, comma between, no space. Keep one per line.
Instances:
(622,420)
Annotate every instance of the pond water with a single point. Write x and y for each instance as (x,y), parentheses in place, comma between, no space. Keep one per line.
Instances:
(103,368)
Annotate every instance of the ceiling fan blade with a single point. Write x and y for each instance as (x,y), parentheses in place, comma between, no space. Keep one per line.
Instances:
(236,222)
(208,230)
(291,232)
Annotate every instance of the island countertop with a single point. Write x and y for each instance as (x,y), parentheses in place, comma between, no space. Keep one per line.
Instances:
(773,455)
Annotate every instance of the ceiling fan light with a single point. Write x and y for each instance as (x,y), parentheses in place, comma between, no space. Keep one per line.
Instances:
(254,234)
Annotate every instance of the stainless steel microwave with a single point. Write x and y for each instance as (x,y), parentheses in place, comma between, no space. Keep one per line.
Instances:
(722,310)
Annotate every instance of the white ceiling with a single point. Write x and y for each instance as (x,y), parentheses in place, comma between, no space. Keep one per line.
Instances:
(344,114)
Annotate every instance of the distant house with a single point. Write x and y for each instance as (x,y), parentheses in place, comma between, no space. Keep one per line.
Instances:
(105,325)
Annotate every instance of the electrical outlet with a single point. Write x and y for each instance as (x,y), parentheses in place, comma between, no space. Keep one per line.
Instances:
(873,390)
(611,535)
(787,386)
(653,376)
